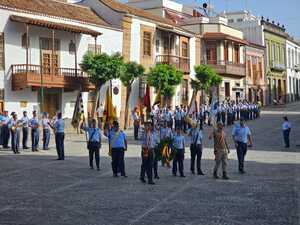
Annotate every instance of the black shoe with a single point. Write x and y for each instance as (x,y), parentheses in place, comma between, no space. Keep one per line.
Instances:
(216,176)
(225,177)
(174,174)
(18,152)
(151,183)
(98,169)
(192,171)
(156,177)
(142,180)
(25,148)
(182,175)
(201,173)
(242,172)
(115,175)
(91,167)
(124,176)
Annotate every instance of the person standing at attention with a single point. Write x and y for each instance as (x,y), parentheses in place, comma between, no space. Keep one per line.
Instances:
(179,144)
(59,129)
(94,143)
(242,136)
(46,131)
(196,148)
(136,123)
(221,150)
(25,124)
(286,129)
(14,127)
(35,134)
(118,144)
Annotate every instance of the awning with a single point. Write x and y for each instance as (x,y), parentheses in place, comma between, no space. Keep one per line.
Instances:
(222,36)
(54,25)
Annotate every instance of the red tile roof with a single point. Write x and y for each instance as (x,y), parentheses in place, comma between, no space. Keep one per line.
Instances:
(55,8)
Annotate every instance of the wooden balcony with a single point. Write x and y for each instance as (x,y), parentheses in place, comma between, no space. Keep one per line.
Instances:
(227,68)
(181,63)
(35,76)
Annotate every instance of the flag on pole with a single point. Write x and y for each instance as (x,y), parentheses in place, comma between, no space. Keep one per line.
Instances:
(157,98)
(146,100)
(78,113)
(109,114)
(193,106)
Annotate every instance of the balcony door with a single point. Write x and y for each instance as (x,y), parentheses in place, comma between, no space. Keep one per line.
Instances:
(211,53)
(50,59)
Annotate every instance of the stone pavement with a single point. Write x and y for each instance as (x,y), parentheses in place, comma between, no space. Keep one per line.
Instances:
(36,189)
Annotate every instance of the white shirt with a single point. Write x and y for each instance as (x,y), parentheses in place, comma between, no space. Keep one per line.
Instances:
(100,111)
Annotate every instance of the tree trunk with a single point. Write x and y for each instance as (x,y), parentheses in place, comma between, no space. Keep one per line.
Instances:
(128,91)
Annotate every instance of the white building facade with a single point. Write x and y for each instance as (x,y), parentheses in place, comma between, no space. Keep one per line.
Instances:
(293,70)
(42,51)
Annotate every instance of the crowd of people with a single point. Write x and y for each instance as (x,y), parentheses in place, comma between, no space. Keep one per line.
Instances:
(164,136)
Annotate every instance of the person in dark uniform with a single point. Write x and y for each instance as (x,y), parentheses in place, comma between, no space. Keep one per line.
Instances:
(286,129)
(179,144)
(25,124)
(14,127)
(34,124)
(59,129)
(46,131)
(118,144)
(136,123)
(94,143)
(5,130)
(147,138)
(196,148)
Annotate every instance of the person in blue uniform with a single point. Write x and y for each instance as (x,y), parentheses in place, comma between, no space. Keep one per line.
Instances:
(46,131)
(59,129)
(179,144)
(118,144)
(5,130)
(286,129)
(34,125)
(25,125)
(13,125)
(196,149)
(242,136)
(147,141)
(94,143)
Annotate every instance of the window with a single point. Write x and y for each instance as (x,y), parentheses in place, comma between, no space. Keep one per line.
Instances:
(184,49)
(240,19)
(147,43)
(260,70)
(230,20)
(1,51)
(293,59)
(185,91)
(72,47)
(24,40)
(91,48)
(227,89)
(157,45)
(211,54)
(249,68)
(46,44)
(289,58)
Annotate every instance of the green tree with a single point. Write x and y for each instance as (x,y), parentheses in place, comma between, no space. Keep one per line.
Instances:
(102,68)
(165,78)
(206,77)
(133,71)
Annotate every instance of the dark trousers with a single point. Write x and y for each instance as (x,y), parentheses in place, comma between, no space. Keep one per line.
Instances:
(118,164)
(25,137)
(178,159)
(146,167)
(136,131)
(223,116)
(15,139)
(60,148)
(196,151)
(35,136)
(5,136)
(286,138)
(238,115)
(94,151)
(155,168)
(241,153)
(218,117)
(46,139)
(178,124)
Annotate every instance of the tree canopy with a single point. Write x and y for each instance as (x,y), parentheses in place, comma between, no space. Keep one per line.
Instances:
(133,70)
(165,78)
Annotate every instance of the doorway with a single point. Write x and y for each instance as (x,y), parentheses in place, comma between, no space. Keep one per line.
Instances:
(52,101)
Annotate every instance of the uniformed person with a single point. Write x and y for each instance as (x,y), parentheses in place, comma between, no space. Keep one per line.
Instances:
(59,129)
(147,140)
(286,129)
(136,123)
(46,131)
(196,149)
(242,136)
(25,124)
(221,150)
(14,126)
(179,144)
(94,143)
(34,125)
(5,130)
(118,144)
(154,144)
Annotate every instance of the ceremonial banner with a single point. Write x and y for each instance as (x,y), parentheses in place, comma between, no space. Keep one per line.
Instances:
(157,98)
(78,114)
(146,100)
(109,114)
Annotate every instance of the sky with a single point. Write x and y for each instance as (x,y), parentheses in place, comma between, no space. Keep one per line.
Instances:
(285,12)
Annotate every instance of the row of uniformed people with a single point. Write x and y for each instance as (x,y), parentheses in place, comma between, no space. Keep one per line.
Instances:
(15,125)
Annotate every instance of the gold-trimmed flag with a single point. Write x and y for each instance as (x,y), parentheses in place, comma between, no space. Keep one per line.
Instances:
(78,113)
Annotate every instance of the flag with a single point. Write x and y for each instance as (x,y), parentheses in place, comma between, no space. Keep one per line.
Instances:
(146,100)
(97,105)
(193,106)
(109,113)
(78,113)
(157,98)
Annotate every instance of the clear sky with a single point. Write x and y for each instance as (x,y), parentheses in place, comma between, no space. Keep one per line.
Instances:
(285,12)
